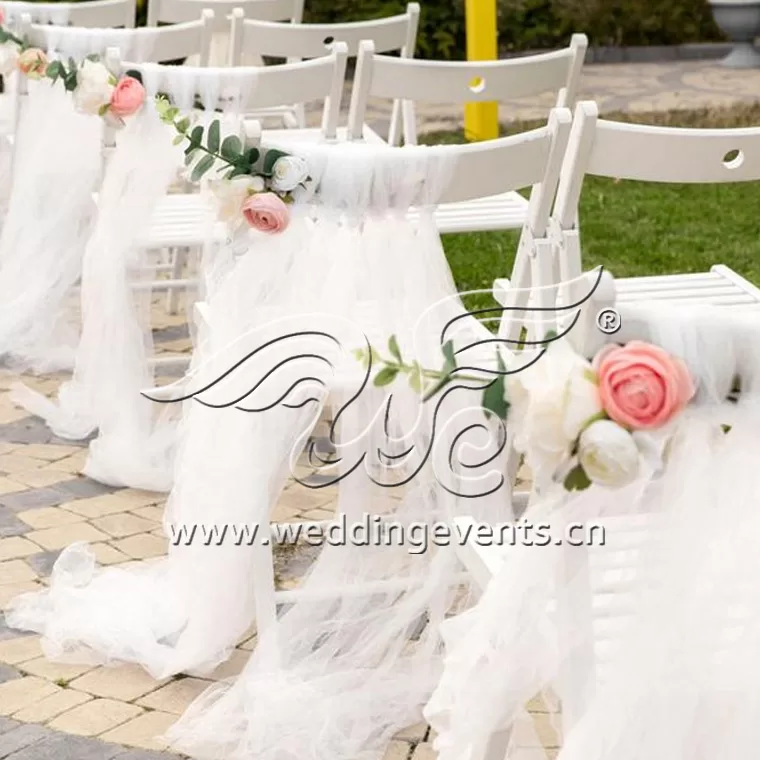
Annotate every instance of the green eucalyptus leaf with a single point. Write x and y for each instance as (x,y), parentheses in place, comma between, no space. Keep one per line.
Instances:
(577,480)
(178,139)
(70,81)
(231,148)
(53,70)
(415,378)
(385,376)
(190,154)
(196,137)
(394,349)
(438,387)
(494,396)
(251,156)
(270,159)
(522,338)
(201,168)
(448,354)
(213,136)
(135,74)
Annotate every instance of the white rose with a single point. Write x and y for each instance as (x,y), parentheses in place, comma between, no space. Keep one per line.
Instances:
(553,400)
(288,173)
(94,87)
(608,454)
(231,194)
(8,58)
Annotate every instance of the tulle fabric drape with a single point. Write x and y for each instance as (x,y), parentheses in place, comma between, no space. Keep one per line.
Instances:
(355,658)
(664,666)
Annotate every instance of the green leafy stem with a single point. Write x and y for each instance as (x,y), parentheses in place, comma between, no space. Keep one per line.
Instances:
(430,382)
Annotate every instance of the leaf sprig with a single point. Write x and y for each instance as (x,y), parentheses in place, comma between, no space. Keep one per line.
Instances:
(430,382)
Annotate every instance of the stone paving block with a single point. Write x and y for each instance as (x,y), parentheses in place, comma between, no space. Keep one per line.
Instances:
(33,499)
(40,478)
(94,717)
(7,673)
(416,733)
(10,525)
(54,671)
(142,546)
(26,429)
(42,562)
(424,752)
(154,513)
(97,506)
(48,517)
(15,547)
(20,649)
(175,332)
(60,538)
(49,452)
(20,737)
(50,707)
(73,464)
(64,747)
(6,724)
(8,486)
(19,693)
(83,488)
(397,750)
(176,696)
(232,667)
(123,524)
(10,591)
(145,754)
(145,731)
(18,462)
(123,682)
(105,554)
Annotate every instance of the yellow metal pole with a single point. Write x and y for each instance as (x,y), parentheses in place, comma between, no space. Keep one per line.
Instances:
(481,120)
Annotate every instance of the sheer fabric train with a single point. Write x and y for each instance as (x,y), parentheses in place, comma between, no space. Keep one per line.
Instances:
(341,664)
(669,675)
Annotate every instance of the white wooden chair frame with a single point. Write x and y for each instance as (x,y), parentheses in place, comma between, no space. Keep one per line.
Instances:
(652,154)
(177,11)
(529,159)
(102,14)
(181,221)
(295,42)
(412,80)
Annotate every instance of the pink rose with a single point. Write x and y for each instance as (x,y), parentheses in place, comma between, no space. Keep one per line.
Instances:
(266,212)
(127,97)
(33,62)
(2,15)
(641,386)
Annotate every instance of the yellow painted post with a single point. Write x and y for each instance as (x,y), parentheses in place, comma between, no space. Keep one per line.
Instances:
(481,120)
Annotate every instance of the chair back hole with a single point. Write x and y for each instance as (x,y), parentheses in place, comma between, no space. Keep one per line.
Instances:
(328,41)
(733,159)
(477,85)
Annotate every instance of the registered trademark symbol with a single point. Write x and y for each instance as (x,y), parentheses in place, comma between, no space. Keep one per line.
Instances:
(608,321)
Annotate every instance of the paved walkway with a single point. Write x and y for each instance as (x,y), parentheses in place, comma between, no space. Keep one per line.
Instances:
(70,712)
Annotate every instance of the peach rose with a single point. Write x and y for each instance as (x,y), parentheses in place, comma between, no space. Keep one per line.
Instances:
(33,62)
(266,212)
(642,386)
(127,97)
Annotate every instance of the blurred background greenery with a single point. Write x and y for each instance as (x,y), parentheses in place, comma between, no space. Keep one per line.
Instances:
(533,24)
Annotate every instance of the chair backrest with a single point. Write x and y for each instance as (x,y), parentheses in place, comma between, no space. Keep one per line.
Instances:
(177,11)
(257,87)
(413,80)
(166,43)
(94,13)
(299,41)
(645,153)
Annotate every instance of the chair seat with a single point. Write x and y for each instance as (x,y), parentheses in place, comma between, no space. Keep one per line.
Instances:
(314,134)
(505,211)
(721,286)
(183,220)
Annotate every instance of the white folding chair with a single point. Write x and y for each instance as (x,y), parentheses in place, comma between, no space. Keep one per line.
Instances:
(447,81)
(181,221)
(177,11)
(648,154)
(531,159)
(94,13)
(298,41)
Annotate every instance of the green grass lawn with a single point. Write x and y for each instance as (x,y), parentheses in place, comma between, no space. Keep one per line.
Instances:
(637,228)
